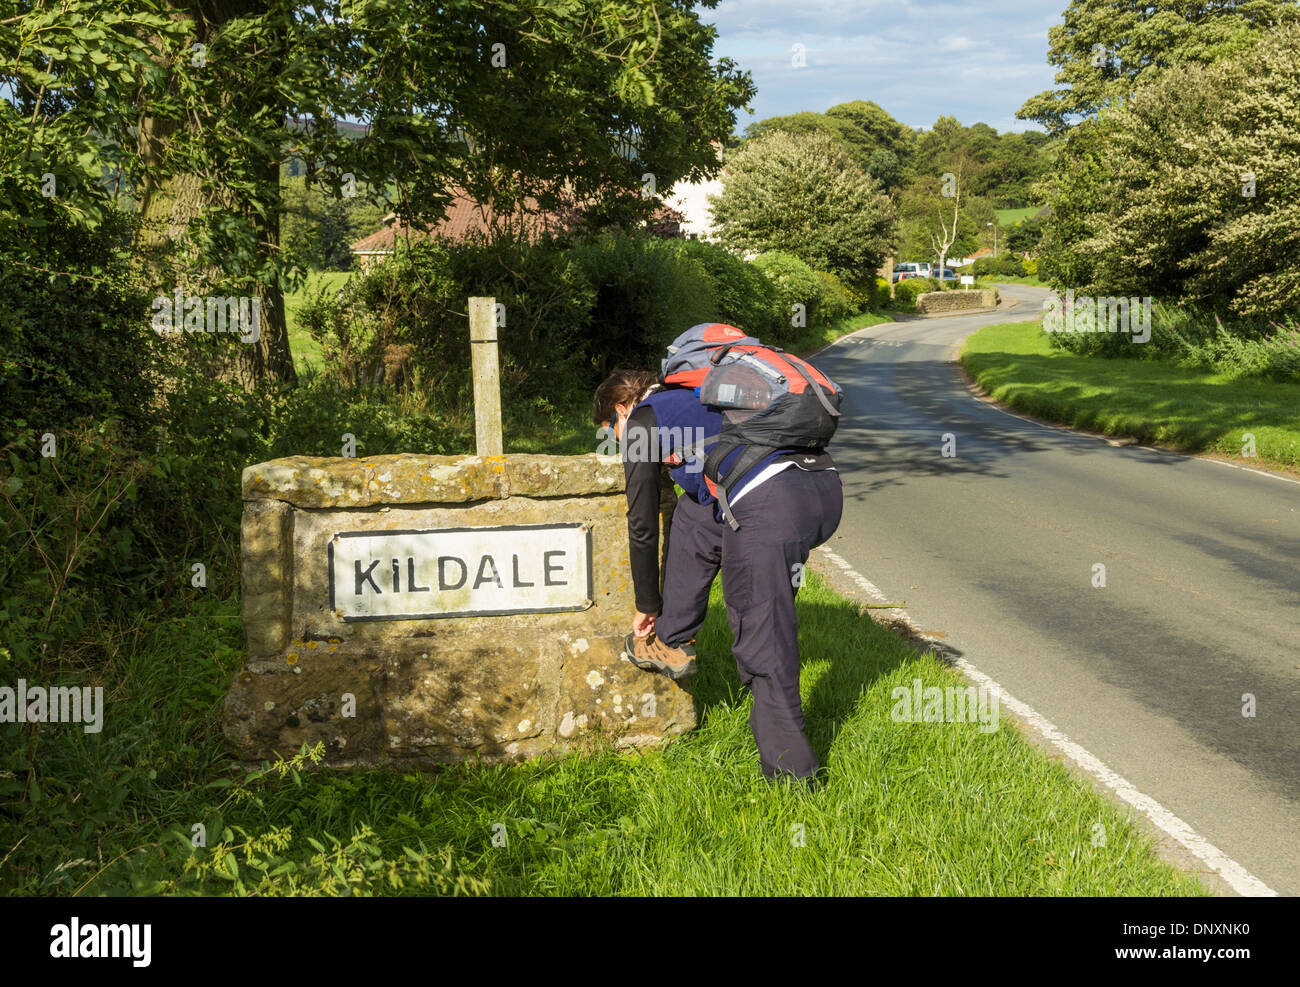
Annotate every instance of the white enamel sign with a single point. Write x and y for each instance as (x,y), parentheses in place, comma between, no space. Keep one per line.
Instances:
(460,572)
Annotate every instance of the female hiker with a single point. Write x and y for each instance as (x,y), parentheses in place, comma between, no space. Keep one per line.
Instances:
(783,504)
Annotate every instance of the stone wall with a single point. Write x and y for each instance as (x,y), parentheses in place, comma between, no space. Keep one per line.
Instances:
(422,660)
(957,300)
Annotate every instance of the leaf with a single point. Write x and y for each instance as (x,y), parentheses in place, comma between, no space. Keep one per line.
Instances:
(228,867)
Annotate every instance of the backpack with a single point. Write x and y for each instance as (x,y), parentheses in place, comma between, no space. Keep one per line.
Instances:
(769,399)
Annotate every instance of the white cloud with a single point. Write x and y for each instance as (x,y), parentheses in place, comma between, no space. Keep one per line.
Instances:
(976,61)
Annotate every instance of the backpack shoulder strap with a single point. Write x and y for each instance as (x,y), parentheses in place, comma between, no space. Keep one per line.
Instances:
(748,458)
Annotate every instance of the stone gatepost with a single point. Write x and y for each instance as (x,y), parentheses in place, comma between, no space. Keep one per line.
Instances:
(408,609)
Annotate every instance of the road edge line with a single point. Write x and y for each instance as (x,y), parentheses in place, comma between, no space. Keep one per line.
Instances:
(1237,877)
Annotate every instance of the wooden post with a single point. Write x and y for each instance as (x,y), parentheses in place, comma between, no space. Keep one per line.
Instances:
(487,376)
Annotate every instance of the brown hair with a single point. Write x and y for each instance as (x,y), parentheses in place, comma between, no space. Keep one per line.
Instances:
(621,387)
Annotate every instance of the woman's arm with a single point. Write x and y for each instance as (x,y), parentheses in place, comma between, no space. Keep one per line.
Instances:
(641,472)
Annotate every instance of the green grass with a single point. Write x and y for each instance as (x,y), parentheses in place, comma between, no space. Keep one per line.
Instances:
(306,351)
(907,809)
(1151,401)
(989,280)
(1009,217)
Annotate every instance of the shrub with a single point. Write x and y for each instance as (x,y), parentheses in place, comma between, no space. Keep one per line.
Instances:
(1246,345)
(404,321)
(834,302)
(869,296)
(796,284)
(905,291)
(743,297)
(647,291)
(78,343)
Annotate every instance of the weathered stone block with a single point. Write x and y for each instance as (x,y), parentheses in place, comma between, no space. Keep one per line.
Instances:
(931,302)
(438,608)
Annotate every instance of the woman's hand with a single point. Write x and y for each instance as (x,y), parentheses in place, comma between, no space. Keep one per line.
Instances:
(643,624)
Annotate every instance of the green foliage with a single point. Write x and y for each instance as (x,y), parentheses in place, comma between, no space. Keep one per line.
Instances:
(1152,400)
(165,110)
(834,301)
(742,295)
(798,290)
(74,329)
(69,556)
(264,865)
(1104,50)
(1197,338)
(999,169)
(926,213)
(878,144)
(404,321)
(317,229)
(1007,265)
(905,291)
(805,196)
(1186,191)
(73,81)
(1024,236)
(646,292)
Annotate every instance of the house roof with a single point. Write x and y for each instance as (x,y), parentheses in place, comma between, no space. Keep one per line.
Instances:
(462,217)
(465,216)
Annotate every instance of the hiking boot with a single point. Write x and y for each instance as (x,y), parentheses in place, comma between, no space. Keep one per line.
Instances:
(652,655)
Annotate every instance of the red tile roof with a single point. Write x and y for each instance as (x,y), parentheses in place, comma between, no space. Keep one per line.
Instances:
(464,216)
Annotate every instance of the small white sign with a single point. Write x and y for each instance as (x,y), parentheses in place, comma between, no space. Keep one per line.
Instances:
(968,279)
(460,572)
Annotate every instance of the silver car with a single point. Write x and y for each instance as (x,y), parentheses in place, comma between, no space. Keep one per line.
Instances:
(911,270)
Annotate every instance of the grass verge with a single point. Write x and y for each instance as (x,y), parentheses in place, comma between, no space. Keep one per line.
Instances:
(1150,401)
(909,808)
(306,351)
(993,280)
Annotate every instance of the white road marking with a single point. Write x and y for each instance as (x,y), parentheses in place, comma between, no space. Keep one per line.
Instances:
(1236,876)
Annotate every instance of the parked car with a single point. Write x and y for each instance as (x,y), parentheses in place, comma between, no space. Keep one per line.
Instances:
(911,270)
(948,274)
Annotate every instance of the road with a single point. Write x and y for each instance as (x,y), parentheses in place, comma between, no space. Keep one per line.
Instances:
(994,550)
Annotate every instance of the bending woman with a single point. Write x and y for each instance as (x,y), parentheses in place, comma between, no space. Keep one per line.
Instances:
(787,504)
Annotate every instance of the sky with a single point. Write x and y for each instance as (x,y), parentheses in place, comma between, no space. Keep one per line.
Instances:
(977,61)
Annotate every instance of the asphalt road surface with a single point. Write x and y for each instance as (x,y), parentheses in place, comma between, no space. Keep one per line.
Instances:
(994,549)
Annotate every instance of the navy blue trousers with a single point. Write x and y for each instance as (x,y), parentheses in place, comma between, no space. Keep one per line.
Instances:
(781,521)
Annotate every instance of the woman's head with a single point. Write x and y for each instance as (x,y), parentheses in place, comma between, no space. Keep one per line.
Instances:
(620,391)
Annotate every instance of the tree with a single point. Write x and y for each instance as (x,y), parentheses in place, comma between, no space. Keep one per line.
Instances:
(805,195)
(1023,237)
(923,208)
(1104,48)
(946,235)
(201,101)
(879,144)
(1189,190)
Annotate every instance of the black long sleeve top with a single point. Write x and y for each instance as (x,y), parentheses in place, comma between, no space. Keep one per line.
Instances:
(644,485)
